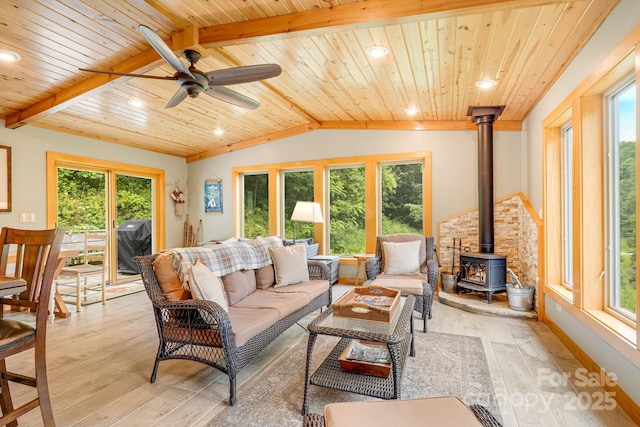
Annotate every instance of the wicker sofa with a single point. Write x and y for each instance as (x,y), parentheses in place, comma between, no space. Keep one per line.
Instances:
(259,310)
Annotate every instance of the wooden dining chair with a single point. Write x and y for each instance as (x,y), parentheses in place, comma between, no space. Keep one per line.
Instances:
(36,254)
(95,256)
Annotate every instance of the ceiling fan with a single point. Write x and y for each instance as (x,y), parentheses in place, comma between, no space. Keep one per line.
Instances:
(193,82)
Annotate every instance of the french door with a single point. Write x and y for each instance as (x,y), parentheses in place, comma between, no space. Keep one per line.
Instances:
(124,200)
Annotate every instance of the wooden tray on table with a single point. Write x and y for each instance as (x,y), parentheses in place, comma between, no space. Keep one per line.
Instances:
(373,302)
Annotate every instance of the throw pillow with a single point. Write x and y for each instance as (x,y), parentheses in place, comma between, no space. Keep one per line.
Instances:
(238,285)
(265,277)
(401,257)
(290,264)
(168,279)
(206,285)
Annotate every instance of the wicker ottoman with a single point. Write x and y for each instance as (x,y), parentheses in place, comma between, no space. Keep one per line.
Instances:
(432,411)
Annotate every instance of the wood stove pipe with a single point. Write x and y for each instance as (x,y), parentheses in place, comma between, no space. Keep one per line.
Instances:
(484,117)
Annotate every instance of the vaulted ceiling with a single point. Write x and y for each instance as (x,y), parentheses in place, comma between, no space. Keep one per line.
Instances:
(438,50)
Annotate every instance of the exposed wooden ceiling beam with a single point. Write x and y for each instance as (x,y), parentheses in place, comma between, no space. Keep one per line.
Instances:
(140,63)
(253,142)
(357,15)
(500,125)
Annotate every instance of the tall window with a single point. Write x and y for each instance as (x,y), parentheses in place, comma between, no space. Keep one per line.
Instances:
(401,201)
(256,205)
(346,210)
(298,186)
(621,200)
(567,206)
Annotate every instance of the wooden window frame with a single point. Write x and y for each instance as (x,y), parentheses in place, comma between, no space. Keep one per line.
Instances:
(584,107)
(320,168)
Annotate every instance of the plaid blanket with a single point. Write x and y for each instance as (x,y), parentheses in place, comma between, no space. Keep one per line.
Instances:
(225,258)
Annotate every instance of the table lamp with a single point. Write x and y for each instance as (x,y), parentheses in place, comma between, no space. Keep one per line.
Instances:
(306,212)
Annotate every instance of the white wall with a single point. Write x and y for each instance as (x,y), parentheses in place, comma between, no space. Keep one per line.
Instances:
(454,166)
(624,19)
(29,147)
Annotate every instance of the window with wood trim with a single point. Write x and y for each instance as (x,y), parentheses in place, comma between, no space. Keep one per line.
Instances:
(256,205)
(620,208)
(567,204)
(348,190)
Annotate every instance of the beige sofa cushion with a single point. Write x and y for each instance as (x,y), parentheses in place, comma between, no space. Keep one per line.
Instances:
(312,289)
(432,411)
(284,302)
(408,285)
(249,322)
(238,285)
(265,277)
(290,264)
(168,279)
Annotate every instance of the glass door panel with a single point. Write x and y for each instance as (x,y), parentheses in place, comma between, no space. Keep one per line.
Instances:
(133,223)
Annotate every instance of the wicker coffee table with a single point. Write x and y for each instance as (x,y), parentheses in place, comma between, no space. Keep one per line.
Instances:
(397,334)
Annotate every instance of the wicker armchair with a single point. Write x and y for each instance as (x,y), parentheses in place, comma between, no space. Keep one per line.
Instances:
(428,271)
(200,330)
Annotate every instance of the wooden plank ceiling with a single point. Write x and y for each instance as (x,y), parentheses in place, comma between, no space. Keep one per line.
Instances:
(438,50)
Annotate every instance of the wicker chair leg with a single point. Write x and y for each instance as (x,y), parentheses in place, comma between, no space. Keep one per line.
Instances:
(232,390)
(313,420)
(155,369)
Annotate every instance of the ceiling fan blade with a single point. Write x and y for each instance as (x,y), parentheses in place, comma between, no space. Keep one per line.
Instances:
(246,74)
(163,50)
(232,97)
(177,98)
(115,73)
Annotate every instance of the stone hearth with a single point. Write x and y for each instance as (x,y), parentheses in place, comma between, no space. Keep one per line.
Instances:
(476,302)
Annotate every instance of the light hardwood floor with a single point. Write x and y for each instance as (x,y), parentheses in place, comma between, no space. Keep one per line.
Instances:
(100,360)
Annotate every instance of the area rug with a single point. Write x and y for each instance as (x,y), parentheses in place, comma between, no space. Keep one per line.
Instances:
(445,365)
(112,291)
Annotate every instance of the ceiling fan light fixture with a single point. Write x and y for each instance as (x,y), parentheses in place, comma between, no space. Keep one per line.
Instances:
(486,83)
(218,132)
(377,51)
(9,56)
(412,110)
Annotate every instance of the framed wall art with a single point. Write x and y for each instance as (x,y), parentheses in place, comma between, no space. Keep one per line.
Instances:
(5,178)
(213,196)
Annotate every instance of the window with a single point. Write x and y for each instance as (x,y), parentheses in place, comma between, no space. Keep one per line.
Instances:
(401,199)
(350,192)
(621,200)
(256,205)
(298,186)
(567,205)
(346,210)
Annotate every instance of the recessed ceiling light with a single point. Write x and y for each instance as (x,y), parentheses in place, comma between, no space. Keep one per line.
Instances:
(486,83)
(218,131)
(411,110)
(377,51)
(136,103)
(9,56)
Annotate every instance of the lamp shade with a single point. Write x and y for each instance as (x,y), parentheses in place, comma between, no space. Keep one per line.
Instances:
(307,212)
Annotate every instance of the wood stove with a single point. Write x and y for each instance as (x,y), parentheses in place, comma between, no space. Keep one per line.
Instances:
(483,273)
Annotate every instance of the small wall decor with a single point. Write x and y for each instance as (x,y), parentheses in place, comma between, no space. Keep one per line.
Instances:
(213,196)
(5,178)
(178,201)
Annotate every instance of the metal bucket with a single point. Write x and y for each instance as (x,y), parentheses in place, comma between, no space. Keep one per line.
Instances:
(520,299)
(448,282)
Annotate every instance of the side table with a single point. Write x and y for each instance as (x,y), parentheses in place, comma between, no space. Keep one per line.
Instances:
(361,260)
